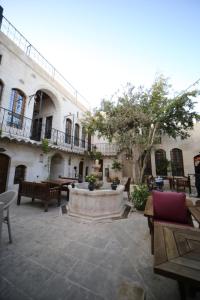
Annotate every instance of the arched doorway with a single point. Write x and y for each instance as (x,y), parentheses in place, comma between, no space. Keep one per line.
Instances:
(177,162)
(4,163)
(161,162)
(101,168)
(57,166)
(80,171)
(43,110)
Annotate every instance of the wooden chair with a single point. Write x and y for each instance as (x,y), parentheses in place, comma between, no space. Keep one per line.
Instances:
(41,191)
(170,207)
(183,183)
(150,180)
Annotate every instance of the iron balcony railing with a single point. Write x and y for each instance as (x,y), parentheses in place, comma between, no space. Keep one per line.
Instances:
(107,149)
(13,34)
(18,126)
(14,125)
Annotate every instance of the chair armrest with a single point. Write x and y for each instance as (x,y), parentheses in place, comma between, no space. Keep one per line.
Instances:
(195,212)
(189,203)
(148,211)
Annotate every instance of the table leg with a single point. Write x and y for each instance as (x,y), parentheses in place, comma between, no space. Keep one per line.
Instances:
(182,290)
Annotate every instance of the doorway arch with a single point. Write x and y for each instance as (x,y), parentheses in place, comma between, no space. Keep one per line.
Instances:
(4,163)
(57,166)
(80,171)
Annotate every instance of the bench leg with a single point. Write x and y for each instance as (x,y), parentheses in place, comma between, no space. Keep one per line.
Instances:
(46,206)
(59,198)
(18,199)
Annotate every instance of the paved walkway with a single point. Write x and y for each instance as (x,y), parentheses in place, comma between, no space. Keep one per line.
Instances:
(55,257)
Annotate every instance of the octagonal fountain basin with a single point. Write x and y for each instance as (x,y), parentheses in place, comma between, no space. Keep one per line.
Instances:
(100,204)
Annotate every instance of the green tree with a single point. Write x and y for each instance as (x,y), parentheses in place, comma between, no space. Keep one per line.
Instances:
(139,117)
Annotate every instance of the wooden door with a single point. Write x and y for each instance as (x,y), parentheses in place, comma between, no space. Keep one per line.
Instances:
(80,171)
(4,161)
(48,127)
(36,129)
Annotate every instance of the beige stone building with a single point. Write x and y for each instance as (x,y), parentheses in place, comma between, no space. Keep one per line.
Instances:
(38,105)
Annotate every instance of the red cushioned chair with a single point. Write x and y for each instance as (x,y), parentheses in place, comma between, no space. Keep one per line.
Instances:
(169,207)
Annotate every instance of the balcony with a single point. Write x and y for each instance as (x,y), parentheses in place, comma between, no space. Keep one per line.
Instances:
(23,129)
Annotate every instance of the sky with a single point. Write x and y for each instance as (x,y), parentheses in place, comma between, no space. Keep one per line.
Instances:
(100,45)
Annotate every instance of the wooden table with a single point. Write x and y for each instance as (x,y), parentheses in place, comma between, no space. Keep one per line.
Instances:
(195,212)
(177,254)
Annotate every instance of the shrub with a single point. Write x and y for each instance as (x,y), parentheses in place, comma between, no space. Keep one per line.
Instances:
(139,196)
(116,165)
(90,178)
(45,146)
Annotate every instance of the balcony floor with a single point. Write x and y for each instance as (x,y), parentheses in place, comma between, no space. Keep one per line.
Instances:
(55,257)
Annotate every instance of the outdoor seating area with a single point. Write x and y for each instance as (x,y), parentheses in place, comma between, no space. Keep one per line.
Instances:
(173,183)
(36,190)
(106,260)
(175,243)
(58,256)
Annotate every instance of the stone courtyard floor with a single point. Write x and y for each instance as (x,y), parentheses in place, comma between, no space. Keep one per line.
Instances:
(56,257)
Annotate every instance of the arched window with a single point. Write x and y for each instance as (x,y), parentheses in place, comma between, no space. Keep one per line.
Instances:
(76,135)
(148,169)
(1,90)
(177,162)
(68,131)
(161,162)
(19,173)
(17,106)
(83,137)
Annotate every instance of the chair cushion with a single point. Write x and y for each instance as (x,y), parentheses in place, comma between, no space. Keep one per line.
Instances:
(170,206)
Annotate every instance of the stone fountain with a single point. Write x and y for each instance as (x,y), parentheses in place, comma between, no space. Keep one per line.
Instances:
(99,204)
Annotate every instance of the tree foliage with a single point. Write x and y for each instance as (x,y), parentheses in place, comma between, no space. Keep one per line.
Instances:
(140,116)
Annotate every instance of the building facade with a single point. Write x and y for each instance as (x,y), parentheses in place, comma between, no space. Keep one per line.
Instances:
(40,124)
(40,117)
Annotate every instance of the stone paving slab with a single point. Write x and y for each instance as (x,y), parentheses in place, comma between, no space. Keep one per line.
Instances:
(56,257)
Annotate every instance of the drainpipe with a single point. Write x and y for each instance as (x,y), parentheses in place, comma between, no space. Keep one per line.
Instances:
(1,15)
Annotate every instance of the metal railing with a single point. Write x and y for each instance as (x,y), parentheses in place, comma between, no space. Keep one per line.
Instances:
(18,126)
(13,34)
(14,125)
(107,149)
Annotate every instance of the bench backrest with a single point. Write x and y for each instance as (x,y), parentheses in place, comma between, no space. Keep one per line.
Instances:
(34,189)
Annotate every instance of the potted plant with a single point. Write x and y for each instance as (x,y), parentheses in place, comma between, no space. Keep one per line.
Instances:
(116,166)
(91,179)
(115,182)
(139,196)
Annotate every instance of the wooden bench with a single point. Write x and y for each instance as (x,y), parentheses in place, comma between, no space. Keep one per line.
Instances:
(41,191)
